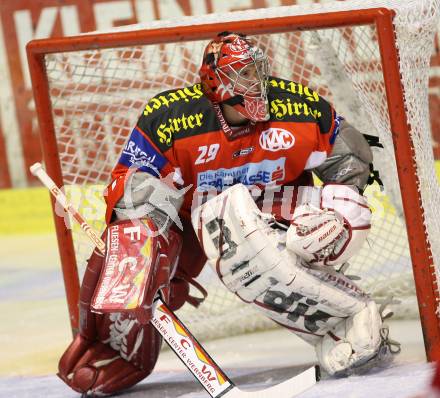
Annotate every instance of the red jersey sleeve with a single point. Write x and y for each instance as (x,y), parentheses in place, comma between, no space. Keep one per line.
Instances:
(327,129)
(327,136)
(140,153)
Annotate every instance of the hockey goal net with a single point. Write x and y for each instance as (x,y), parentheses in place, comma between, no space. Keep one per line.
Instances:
(91,89)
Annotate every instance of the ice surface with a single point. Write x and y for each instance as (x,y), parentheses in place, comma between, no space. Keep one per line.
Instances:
(399,380)
(34,331)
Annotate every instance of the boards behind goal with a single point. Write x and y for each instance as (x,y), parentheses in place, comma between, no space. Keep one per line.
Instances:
(372,63)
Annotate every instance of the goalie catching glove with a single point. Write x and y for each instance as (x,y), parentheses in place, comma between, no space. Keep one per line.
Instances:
(331,230)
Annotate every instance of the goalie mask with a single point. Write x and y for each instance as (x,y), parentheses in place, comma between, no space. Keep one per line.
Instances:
(234,71)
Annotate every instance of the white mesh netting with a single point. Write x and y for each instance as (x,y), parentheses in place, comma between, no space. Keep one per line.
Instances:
(97,96)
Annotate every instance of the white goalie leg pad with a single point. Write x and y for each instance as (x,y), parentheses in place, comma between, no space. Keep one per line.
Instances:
(332,229)
(352,342)
(251,259)
(232,231)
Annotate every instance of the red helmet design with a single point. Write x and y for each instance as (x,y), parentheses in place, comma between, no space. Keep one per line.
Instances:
(234,71)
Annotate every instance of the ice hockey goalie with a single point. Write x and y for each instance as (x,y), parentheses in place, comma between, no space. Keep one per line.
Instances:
(235,154)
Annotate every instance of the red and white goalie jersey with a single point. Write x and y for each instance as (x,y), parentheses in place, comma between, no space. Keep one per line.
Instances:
(181,131)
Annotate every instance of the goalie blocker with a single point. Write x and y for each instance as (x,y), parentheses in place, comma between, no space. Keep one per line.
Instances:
(322,306)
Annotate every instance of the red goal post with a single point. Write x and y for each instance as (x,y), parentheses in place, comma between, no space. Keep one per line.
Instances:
(381,18)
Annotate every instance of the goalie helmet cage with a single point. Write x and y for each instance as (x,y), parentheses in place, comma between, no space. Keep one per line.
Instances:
(371,62)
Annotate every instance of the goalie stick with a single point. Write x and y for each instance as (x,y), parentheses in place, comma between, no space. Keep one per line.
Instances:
(180,339)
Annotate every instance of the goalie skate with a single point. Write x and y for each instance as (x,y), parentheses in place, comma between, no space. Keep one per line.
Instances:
(384,357)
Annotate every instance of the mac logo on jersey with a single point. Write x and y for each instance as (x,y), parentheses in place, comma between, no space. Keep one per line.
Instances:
(276,139)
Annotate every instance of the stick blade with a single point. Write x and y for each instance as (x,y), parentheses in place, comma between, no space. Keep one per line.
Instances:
(287,389)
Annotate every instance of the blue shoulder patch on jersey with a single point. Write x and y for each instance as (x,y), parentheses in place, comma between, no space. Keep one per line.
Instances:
(338,120)
(139,152)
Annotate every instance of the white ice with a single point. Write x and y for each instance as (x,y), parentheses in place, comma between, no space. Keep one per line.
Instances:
(34,328)
(256,362)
